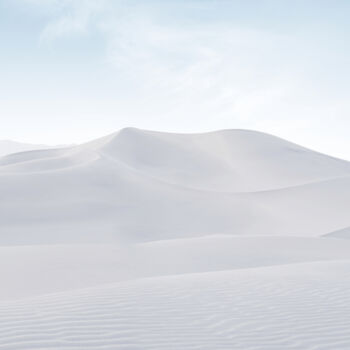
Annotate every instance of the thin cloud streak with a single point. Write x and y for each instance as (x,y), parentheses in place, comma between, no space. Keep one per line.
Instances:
(172,71)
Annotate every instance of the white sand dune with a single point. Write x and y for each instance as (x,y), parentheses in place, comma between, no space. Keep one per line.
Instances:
(8,147)
(142,186)
(145,240)
(48,269)
(297,306)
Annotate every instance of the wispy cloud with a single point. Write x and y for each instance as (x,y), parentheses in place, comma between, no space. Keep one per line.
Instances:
(70,17)
(187,65)
(178,66)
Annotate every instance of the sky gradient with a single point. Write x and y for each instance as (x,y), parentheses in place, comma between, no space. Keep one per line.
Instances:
(74,70)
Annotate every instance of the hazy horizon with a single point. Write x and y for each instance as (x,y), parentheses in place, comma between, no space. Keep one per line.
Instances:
(58,145)
(73,71)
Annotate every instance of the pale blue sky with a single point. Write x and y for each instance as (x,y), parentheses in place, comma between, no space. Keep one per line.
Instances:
(73,70)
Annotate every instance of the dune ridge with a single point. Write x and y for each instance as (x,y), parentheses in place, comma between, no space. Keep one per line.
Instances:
(141,185)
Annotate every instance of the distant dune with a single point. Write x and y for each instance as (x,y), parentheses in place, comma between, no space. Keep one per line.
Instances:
(138,185)
(7,147)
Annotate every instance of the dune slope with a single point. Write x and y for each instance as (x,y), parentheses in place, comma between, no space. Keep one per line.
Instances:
(141,186)
(300,306)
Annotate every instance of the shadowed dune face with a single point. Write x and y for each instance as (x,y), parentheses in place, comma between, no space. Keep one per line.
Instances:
(343,233)
(229,160)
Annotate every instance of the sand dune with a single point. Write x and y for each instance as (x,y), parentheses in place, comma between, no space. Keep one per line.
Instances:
(298,306)
(9,147)
(146,240)
(48,269)
(142,186)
